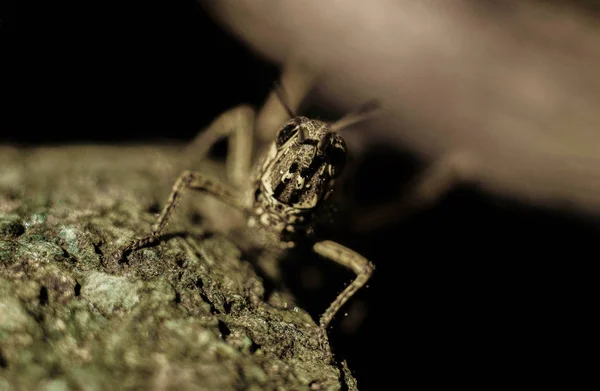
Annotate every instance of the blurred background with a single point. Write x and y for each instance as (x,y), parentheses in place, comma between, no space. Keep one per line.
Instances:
(485,288)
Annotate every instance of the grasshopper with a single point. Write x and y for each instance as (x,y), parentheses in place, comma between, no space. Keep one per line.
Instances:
(287,190)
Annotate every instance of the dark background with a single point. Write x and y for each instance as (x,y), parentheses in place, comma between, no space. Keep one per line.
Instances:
(479,290)
(124,72)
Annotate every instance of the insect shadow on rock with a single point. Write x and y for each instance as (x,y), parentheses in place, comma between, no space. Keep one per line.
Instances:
(284,193)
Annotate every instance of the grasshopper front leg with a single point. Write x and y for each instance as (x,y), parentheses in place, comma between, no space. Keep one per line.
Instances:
(187,180)
(352,260)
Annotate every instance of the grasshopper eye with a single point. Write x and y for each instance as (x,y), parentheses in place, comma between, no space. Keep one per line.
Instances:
(336,155)
(285,134)
(324,144)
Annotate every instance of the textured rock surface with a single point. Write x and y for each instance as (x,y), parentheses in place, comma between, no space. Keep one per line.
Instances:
(186,314)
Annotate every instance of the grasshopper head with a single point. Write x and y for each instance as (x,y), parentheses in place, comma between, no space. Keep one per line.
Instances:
(306,157)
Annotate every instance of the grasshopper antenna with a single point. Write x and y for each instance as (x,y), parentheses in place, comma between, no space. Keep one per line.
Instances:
(362,113)
(283,99)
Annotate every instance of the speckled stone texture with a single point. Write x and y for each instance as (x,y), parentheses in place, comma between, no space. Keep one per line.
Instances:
(185,314)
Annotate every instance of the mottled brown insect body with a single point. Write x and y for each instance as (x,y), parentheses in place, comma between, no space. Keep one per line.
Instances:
(288,190)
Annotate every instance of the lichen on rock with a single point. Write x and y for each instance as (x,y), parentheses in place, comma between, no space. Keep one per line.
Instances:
(185,314)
